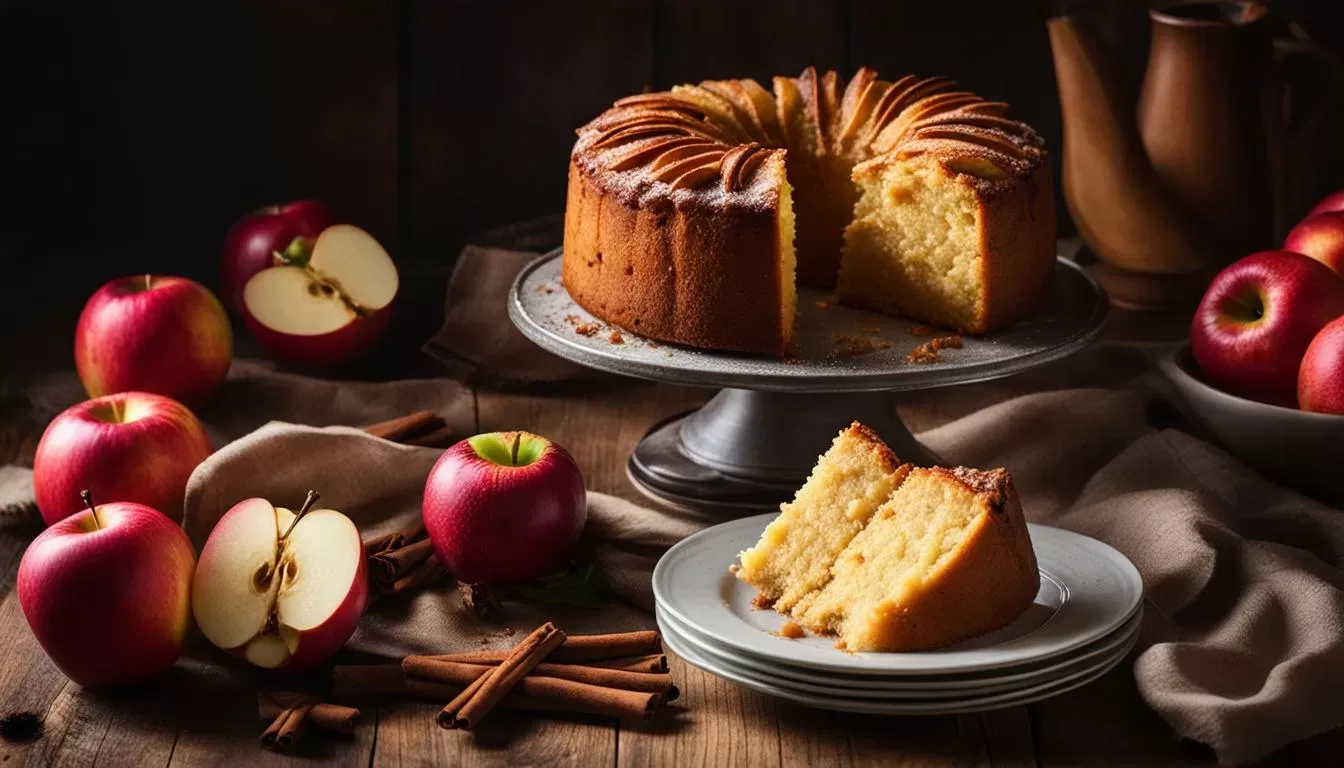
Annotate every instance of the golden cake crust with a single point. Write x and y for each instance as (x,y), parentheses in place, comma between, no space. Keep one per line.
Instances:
(672,221)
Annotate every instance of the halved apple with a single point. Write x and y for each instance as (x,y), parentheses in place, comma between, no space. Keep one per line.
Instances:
(326,308)
(279,589)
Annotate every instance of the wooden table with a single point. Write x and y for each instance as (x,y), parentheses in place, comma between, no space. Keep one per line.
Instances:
(196,715)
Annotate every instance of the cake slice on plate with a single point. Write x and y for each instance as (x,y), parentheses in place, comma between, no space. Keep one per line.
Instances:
(792,561)
(942,557)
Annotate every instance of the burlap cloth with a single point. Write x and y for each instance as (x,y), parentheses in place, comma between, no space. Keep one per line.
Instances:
(1243,638)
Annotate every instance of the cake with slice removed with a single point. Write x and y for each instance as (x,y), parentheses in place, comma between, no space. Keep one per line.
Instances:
(945,556)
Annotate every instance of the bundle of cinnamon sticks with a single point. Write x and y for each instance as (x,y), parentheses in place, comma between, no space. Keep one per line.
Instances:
(290,714)
(620,675)
(403,561)
(422,428)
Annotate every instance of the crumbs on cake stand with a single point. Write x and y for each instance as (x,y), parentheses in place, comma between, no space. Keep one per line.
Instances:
(587,329)
(734,568)
(790,631)
(545,289)
(931,351)
(853,346)
(616,338)
(922,330)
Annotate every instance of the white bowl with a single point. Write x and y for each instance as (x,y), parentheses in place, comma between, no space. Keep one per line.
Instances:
(1300,449)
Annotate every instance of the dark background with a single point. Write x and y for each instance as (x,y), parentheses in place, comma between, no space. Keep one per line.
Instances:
(137,132)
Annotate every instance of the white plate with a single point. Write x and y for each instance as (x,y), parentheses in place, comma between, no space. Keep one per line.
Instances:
(1087,591)
(924,686)
(687,652)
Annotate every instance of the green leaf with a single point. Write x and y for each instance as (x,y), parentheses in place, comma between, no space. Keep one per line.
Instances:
(577,587)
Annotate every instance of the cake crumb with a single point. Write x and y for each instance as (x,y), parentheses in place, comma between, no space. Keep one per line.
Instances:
(761,602)
(572,319)
(587,329)
(545,289)
(790,631)
(922,330)
(734,568)
(929,351)
(853,346)
(616,338)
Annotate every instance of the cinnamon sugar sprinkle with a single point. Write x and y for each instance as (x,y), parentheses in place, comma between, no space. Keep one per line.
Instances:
(853,346)
(930,351)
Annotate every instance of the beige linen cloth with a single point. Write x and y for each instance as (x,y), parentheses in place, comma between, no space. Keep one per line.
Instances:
(1243,639)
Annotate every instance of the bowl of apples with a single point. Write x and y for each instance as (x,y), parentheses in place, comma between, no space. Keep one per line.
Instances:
(1264,370)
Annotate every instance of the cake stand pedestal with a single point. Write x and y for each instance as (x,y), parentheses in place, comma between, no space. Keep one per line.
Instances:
(753,444)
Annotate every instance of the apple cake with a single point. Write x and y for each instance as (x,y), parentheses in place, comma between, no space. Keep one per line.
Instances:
(889,557)
(693,213)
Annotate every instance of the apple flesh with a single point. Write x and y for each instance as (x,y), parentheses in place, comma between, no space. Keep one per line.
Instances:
(326,309)
(108,594)
(1320,381)
(504,508)
(131,446)
(146,333)
(1257,318)
(264,237)
(1321,237)
(280,589)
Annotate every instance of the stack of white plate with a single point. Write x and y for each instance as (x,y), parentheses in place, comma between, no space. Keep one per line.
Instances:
(1084,621)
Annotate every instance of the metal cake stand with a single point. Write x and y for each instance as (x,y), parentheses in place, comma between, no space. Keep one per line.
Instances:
(753,444)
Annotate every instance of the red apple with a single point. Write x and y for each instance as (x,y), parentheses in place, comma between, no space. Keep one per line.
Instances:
(325,309)
(106,592)
(1321,237)
(1257,318)
(283,590)
(166,335)
(1320,380)
(263,237)
(504,507)
(1331,202)
(131,446)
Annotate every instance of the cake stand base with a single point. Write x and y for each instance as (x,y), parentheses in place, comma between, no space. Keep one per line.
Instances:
(746,451)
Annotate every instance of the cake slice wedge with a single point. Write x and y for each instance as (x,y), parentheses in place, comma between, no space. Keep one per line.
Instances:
(946,558)
(792,562)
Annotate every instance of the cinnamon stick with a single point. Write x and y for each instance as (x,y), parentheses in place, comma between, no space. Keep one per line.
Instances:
(439,438)
(427,572)
(656,663)
(389,565)
(286,730)
(581,648)
(485,692)
(404,426)
(457,673)
(328,717)
(395,539)
(358,682)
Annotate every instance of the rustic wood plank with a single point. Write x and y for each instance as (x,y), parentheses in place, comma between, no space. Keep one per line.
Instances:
(819,737)
(216,700)
(1106,723)
(321,112)
(409,735)
(496,92)
(29,682)
(713,723)
(715,39)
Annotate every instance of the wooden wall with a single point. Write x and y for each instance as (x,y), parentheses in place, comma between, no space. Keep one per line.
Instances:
(138,132)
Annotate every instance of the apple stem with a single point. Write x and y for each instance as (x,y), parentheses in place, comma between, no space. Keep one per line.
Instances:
(88,502)
(148,279)
(307,505)
(517,438)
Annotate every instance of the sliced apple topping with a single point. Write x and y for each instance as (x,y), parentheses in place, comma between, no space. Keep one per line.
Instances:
(347,276)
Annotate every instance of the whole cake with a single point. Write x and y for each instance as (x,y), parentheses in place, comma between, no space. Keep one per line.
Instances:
(693,213)
(890,557)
